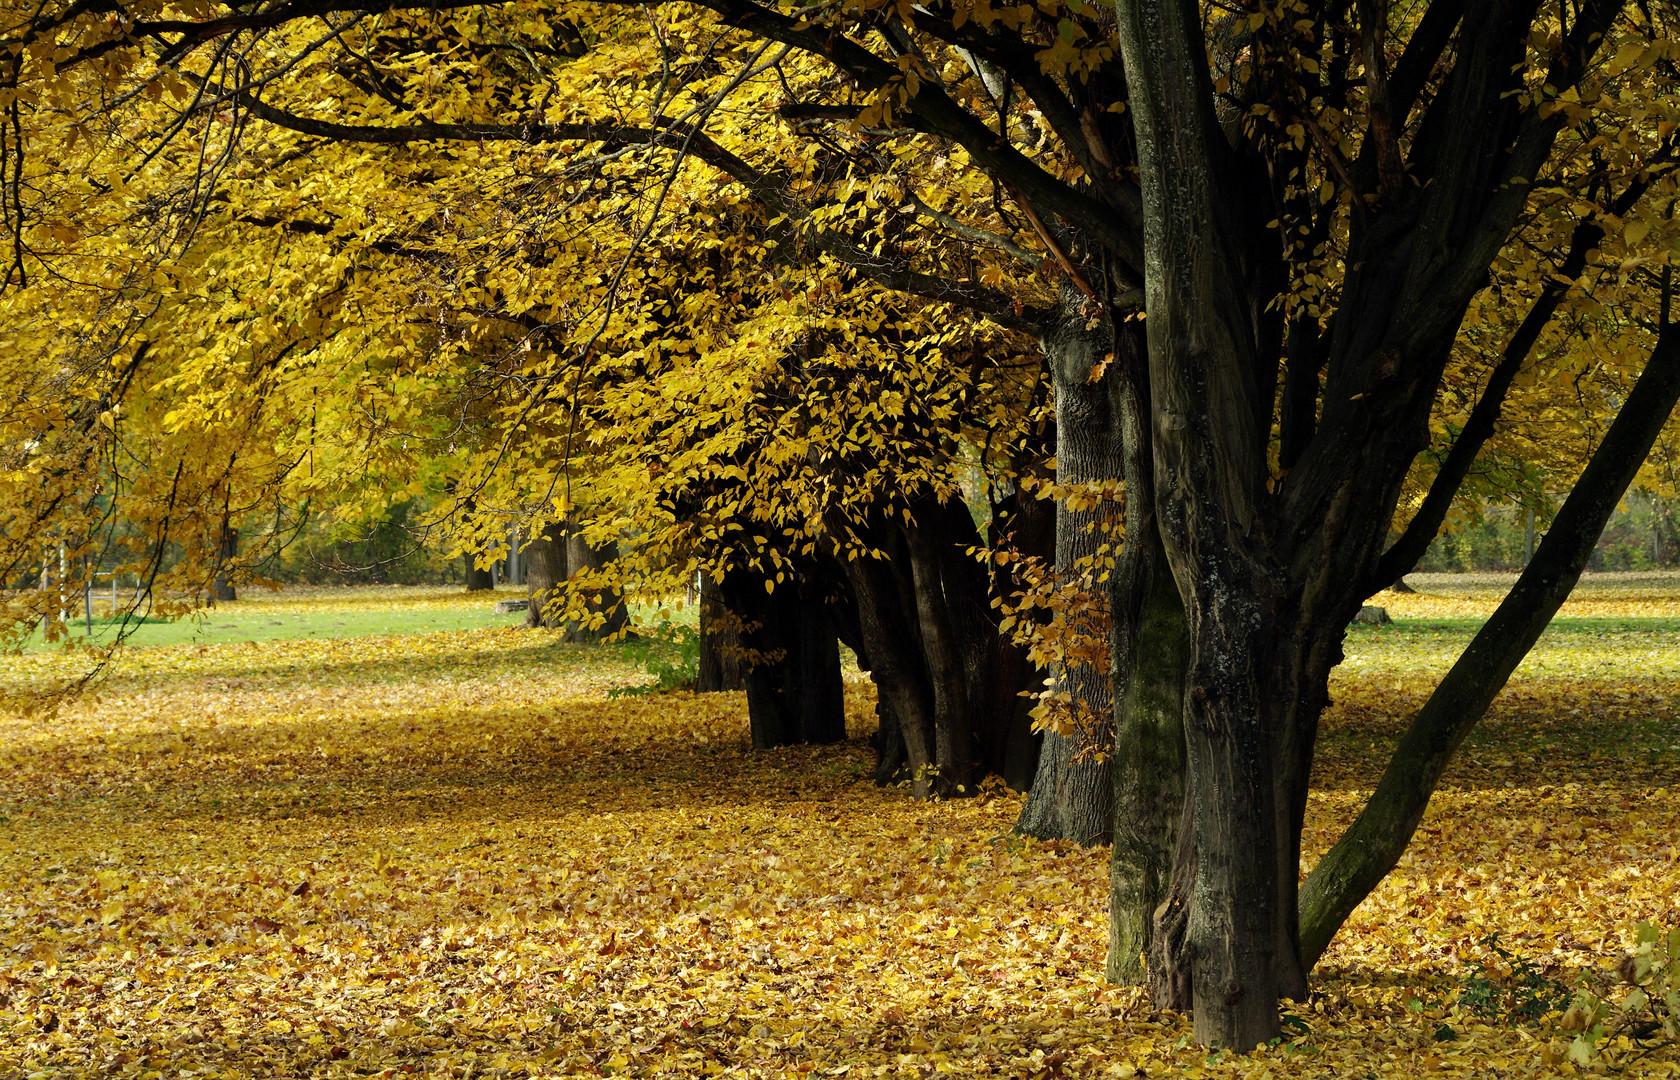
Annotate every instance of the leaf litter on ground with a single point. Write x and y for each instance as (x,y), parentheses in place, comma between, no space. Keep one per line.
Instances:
(451,855)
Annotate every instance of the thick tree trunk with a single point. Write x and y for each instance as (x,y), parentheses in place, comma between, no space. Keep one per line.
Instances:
(1373,844)
(822,705)
(545,572)
(585,563)
(477,580)
(792,671)
(1212,387)
(1072,796)
(1149,646)
(1149,777)
(720,643)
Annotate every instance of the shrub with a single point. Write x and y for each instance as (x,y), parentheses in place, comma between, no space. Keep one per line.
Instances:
(671,654)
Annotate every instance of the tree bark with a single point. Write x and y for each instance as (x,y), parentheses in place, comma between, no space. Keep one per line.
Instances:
(477,580)
(720,642)
(890,631)
(1373,844)
(1149,776)
(545,575)
(585,560)
(1072,796)
(947,685)
(228,551)
(953,716)
(822,693)
(791,665)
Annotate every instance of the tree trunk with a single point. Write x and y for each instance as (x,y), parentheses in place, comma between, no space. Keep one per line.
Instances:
(1149,777)
(477,580)
(772,688)
(792,671)
(947,685)
(822,693)
(1150,647)
(1373,844)
(1212,387)
(1072,796)
(994,670)
(545,572)
(891,637)
(720,642)
(892,756)
(953,716)
(228,551)
(1011,750)
(585,564)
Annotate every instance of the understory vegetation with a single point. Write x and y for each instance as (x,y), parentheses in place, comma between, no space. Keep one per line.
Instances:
(452,854)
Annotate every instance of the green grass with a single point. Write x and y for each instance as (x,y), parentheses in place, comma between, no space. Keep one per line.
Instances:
(1562,625)
(296,612)
(260,615)
(1592,648)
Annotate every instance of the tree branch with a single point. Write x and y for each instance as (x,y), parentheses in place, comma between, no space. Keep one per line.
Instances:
(1484,418)
(941,116)
(1001,308)
(1373,844)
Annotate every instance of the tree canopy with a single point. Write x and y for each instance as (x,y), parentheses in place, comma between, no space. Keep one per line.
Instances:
(750,286)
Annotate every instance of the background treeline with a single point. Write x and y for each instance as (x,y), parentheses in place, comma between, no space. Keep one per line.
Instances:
(1644,534)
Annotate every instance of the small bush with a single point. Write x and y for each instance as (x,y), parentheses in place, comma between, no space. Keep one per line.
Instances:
(1504,988)
(671,654)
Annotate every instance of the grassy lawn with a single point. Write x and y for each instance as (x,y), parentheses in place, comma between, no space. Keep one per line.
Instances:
(314,611)
(448,853)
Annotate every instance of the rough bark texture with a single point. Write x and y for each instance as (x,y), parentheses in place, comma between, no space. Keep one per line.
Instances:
(1374,843)
(1149,776)
(1072,796)
(1271,565)
(1208,435)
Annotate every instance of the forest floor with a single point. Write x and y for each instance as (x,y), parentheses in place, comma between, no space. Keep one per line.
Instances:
(450,854)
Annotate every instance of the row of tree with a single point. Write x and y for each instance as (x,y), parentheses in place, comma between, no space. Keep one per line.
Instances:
(1130,348)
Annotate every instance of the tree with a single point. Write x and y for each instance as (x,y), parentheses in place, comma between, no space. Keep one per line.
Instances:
(1312,203)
